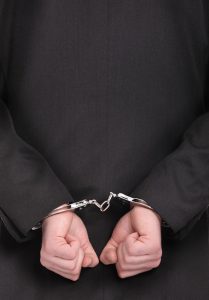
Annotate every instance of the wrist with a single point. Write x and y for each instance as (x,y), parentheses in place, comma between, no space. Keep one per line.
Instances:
(58,210)
(148,211)
(57,214)
(56,221)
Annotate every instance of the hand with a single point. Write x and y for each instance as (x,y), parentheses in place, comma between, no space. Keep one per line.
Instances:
(66,246)
(135,244)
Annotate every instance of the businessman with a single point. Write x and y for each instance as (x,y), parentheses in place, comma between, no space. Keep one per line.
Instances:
(100,97)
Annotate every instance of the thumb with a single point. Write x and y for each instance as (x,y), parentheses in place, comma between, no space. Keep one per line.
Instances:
(67,247)
(134,235)
(90,257)
(72,240)
(109,253)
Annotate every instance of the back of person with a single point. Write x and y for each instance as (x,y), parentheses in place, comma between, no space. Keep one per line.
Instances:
(100,97)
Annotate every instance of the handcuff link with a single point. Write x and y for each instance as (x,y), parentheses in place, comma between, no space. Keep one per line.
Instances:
(102,207)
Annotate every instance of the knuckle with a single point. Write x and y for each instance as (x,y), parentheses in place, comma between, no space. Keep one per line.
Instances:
(42,253)
(75,270)
(75,276)
(122,266)
(156,263)
(72,266)
(155,249)
(121,274)
(42,261)
(42,258)
(96,262)
(159,253)
(153,264)
(149,265)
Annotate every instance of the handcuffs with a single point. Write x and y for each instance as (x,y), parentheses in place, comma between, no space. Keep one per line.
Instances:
(102,207)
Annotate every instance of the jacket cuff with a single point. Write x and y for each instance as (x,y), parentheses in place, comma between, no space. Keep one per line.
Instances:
(160,194)
(39,224)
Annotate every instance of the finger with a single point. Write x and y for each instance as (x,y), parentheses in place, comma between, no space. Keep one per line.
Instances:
(64,274)
(136,259)
(90,256)
(110,256)
(60,264)
(109,253)
(87,261)
(137,245)
(143,262)
(134,246)
(122,229)
(137,266)
(79,262)
(75,271)
(67,248)
(146,265)
(124,274)
(131,262)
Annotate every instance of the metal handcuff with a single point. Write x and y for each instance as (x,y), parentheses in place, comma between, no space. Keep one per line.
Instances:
(103,206)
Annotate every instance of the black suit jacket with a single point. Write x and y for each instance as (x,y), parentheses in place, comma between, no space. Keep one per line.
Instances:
(100,96)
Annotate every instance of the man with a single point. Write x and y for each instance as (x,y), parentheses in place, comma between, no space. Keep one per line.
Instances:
(100,97)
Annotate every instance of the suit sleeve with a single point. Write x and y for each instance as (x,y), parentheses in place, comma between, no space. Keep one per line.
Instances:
(178,186)
(29,188)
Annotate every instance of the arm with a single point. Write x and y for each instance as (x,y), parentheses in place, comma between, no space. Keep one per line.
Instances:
(178,186)
(29,189)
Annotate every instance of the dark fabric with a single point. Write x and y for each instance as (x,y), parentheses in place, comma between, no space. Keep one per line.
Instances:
(100,96)
(177,187)
(29,188)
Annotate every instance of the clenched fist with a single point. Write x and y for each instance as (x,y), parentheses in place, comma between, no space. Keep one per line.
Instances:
(65,245)
(135,244)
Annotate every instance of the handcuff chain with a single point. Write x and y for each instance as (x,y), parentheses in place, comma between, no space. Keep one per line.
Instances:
(105,204)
